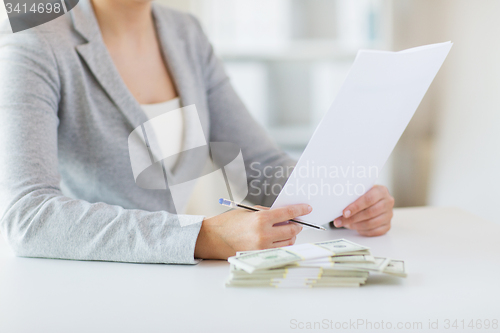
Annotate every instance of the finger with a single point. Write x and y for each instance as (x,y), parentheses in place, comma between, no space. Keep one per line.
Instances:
(283,232)
(378,208)
(347,226)
(374,195)
(372,223)
(285,213)
(286,242)
(261,207)
(376,232)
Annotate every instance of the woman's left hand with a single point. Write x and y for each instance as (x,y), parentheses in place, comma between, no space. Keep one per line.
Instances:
(371,214)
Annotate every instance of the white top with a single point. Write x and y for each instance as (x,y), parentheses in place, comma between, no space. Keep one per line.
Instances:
(453,275)
(170,133)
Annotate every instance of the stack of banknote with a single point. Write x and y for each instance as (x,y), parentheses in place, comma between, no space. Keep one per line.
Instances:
(335,263)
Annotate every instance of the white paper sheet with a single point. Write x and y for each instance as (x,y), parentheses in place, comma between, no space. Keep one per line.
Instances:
(358,133)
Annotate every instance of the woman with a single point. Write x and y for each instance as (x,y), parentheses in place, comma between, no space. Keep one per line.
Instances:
(72,91)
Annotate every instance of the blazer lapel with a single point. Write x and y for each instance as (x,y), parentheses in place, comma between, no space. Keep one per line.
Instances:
(190,162)
(97,58)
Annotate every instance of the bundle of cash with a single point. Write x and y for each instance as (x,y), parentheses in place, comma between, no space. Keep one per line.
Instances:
(336,263)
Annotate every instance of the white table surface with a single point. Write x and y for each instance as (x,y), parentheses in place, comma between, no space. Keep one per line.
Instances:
(453,259)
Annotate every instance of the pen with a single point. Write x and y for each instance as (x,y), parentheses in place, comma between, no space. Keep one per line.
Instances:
(233,204)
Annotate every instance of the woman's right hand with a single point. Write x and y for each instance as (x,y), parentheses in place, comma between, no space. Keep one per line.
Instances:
(223,235)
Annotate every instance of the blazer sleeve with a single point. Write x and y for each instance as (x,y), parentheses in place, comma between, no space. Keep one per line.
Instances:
(266,165)
(36,219)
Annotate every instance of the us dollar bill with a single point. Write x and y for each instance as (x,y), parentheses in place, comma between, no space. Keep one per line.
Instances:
(266,259)
(330,261)
(343,247)
(396,267)
(381,265)
(377,266)
(283,256)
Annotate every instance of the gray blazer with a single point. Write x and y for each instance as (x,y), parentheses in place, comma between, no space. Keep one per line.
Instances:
(66,183)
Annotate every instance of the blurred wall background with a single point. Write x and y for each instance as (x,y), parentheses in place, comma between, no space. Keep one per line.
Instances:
(287,59)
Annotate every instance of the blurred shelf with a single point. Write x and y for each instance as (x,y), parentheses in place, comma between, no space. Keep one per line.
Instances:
(293,137)
(300,50)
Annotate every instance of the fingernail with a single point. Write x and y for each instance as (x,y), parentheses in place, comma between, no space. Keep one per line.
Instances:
(337,223)
(347,213)
(309,209)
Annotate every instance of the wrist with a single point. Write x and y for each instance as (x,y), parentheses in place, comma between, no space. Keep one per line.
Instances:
(209,244)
